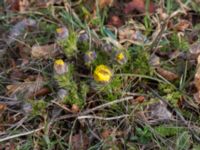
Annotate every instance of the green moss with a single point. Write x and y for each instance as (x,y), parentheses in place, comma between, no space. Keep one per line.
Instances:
(168,130)
(39,107)
(179,43)
(141,62)
(169,93)
(76,91)
(69,45)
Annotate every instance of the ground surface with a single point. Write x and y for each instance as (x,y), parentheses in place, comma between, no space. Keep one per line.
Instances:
(104,74)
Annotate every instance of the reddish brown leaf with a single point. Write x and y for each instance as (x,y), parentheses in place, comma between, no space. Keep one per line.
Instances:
(2,107)
(13,5)
(138,5)
(140,99)
(182,25)
(167,74)
(41,92)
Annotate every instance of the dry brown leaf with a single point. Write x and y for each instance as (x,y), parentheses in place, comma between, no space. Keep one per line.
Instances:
(23,5)
(167,74)
(80,142)
(25,89)
(104,3)
(115,21)
(12,5)
(158,111)
(138,5)
(3,107)
(182,25)
(45,51)
(41,92)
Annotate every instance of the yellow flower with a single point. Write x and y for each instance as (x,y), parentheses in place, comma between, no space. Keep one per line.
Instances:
(102,73)
(60,67)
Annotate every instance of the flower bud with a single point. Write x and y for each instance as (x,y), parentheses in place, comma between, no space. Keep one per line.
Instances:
(84,37)
(60,67)
(89,57)
(62,33)
(107,48)
(120,57)
(62,93)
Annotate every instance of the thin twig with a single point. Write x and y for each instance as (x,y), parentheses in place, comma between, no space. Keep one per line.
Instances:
(21,134)
(103,118)
(95,108)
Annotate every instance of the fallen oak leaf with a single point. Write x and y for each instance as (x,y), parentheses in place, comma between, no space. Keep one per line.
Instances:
(167,74)
(45,51)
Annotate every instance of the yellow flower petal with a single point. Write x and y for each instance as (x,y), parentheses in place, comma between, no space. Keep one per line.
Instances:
(102,73)
(59,62)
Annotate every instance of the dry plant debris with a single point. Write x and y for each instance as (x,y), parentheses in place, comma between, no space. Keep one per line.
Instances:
(103,74)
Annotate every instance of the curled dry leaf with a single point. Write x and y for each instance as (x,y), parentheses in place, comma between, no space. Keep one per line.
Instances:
(138,5)
(167,74)
(80,142)
(25,89)
(182,25)
(45,51)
